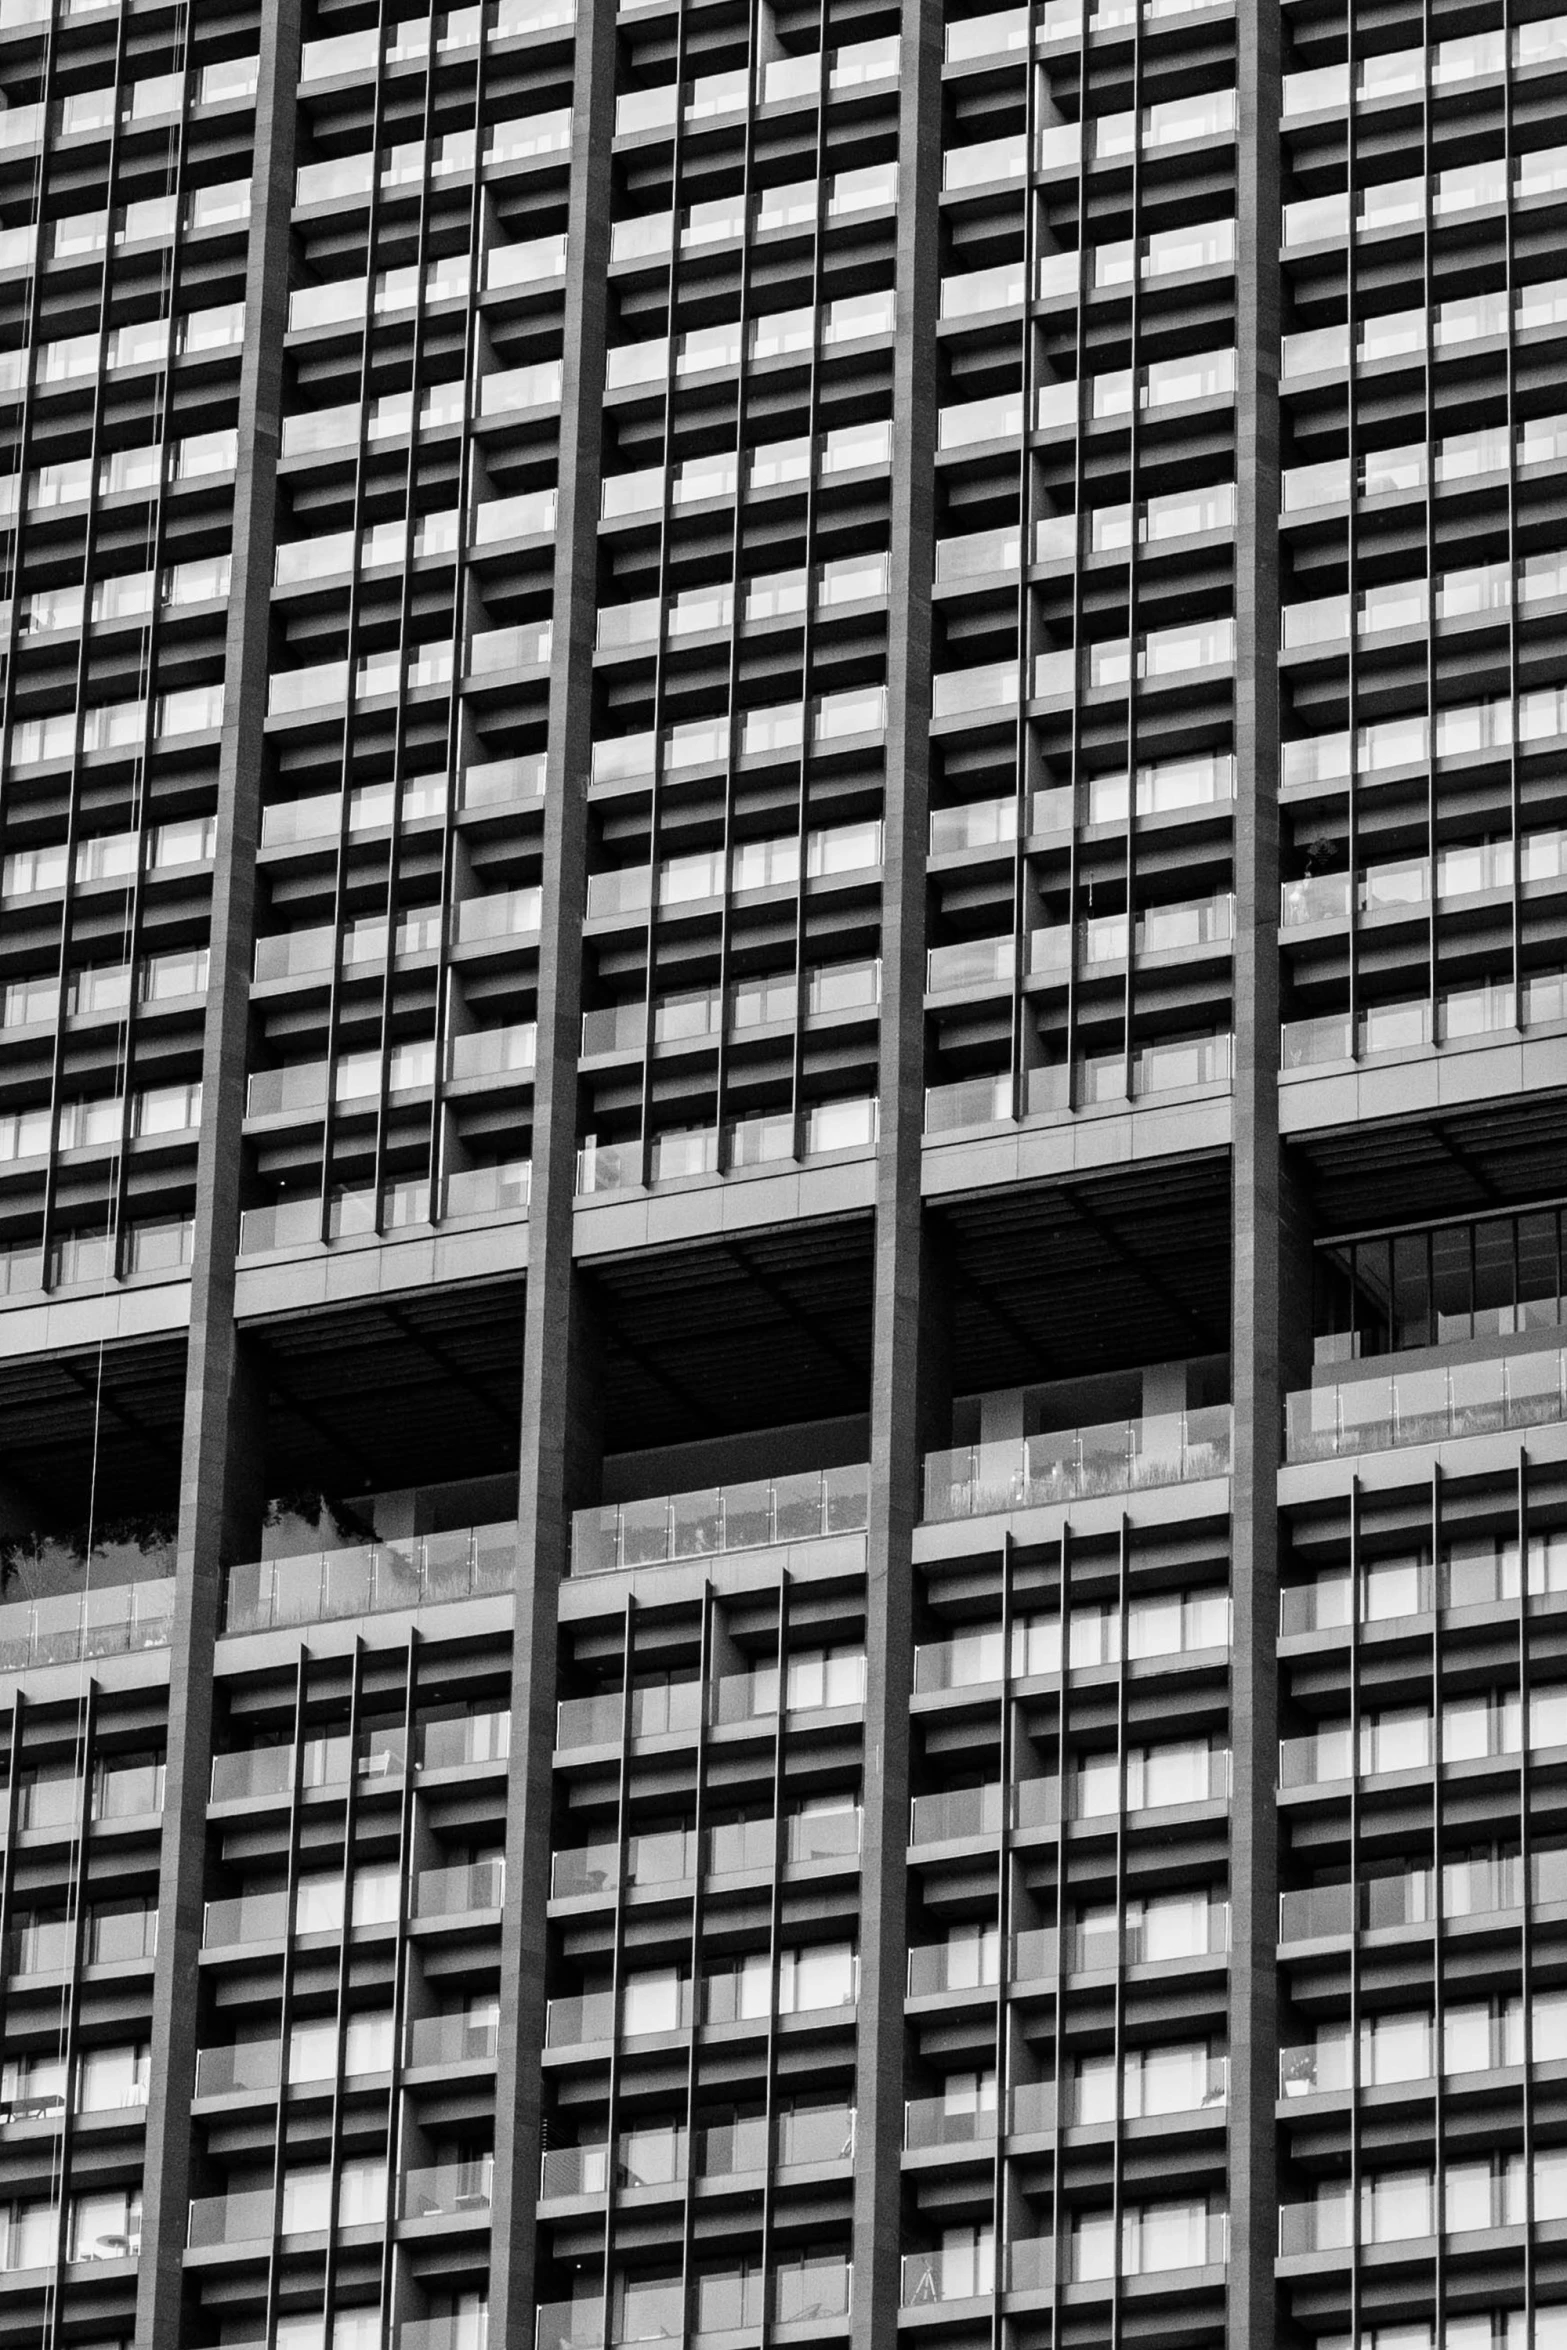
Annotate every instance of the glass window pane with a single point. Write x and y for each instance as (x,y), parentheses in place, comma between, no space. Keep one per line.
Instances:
(1411,1292)
(1450,1280)
(1494,1294)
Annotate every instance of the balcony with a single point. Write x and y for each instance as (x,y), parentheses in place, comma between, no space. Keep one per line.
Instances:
(439,2041)
(471,1738)
(220,2222)
(1427,1406)
(1122,1456)
(260,1773)
(448,2190)
(966,1962)
(245,1919)
(966,1813)
(231,2071)
(758,1515)
(574,2170)
(933,2121)
(327,1586)
(74,1628)
(472,1890)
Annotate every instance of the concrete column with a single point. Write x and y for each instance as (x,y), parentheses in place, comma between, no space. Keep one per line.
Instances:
(559,1443)
(1258,1203)
(222,1463)
(908,1369)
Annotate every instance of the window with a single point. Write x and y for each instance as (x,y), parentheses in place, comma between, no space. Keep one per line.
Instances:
(109,2079)
(27,2235)
(819,1677)
(819,1977)
(651,2002)
(105,2227)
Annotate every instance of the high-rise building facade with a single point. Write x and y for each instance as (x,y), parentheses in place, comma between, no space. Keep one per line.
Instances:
(783,1154)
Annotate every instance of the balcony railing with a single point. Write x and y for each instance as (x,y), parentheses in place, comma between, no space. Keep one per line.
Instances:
(324,1586)
(1426,1406)
(246,2064)
(1314,1913)
(978,1811)
(752,1516)
(931,2121)
(246,1918)
(438,2040)
(449,2190)
(976,1480)
(972,1963)
(464,1891)
(73,1628)
(469,1738)
(217,2220)
(574,2170)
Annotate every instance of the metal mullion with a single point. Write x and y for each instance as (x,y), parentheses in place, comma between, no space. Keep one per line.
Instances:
(617,1954)
(1354,1908)
(1134,441)
(400,1959)
(774,1932)
(1006,1726)
(688,2209)
(1514,563)
(163,403)
(736,547)
(1438,1968)
(1526,1914)
(1057,2127)
(661,654)
(345,1971)
(89,536)
(8,1832)
(8,636)
(1351,551)
(286,1992)
(462,573)
(70,2002)
(1025,599)
(1079,470)
(24,427)
(1427,299)
(405,608)
(351,636)
(1118,2149)
(807,633)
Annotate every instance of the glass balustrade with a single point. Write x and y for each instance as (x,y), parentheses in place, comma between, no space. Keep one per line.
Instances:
(255,1774)
(1071,1464)
(1426,1406)
(572,2325)
(72,1628)
(759,1514)
(968,1101)
(978,962)
(471,1738)
(969,1960)
(370,1578)
(464,1891)
(1316,1912)
(441,2040)
(220,2220)
(574,2170)
(231,2071)
(244,1919)
(448,2190)
(934,2121)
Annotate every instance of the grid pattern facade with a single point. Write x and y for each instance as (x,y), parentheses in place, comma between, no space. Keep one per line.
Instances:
(783,1245)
